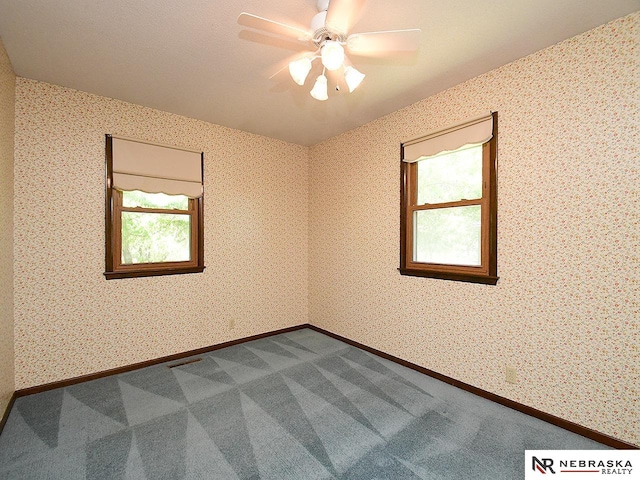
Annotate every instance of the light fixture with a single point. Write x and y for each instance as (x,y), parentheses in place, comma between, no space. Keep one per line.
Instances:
(332,55)
(299,69)
(353,77)
(319,90)
(333,58)
(329,33)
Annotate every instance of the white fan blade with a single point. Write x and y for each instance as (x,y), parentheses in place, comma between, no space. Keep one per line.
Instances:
(372,43)
(342,14)
(278,70)
(261,23)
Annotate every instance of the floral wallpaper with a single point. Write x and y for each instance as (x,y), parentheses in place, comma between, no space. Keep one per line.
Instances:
(69,320)
(296,235)
(7,101)
(565,312)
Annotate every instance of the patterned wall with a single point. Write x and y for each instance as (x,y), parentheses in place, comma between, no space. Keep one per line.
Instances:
(7,101)
(70,321)
(565,312)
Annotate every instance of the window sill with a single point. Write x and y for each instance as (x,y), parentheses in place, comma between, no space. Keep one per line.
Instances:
(152,272)
(459,277)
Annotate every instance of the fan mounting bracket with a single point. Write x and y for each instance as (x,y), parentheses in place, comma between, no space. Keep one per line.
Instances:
(320,31)
(321,35)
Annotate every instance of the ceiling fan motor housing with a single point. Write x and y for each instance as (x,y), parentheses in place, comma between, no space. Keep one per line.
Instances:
(320,31)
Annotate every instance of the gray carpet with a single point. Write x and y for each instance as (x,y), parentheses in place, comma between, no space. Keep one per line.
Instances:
(299,405)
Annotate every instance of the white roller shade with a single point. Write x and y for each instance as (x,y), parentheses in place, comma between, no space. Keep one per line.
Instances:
(472,132)
(155,168)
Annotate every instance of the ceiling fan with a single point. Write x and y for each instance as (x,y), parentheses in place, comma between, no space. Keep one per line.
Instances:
(329,34)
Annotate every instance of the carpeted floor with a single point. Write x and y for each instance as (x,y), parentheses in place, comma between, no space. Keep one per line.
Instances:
(299,405)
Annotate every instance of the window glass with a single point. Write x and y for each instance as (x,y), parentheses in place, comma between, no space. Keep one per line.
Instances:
(451,176)
(448,236)
(136,198)
(155,237)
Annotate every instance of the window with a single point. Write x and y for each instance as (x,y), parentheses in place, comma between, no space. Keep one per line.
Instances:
(448,211)
(154,210)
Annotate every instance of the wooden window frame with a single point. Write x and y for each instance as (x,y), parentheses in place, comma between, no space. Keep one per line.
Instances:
(486,273)
(113,234)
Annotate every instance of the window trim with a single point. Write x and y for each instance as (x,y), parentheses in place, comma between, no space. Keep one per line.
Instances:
(487,272)
(113,266)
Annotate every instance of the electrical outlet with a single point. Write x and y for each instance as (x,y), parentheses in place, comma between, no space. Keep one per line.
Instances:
(510,375)
(232,323)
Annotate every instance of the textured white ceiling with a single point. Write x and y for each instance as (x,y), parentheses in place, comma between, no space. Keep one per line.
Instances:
(193,59)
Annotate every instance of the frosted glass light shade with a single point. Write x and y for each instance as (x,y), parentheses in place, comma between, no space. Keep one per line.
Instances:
(353,78)
(299,69)
(319,91)
(332,55)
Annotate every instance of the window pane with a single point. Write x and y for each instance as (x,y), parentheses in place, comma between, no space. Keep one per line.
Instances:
(137,198)
(155,237)
(451,176)
(448,236)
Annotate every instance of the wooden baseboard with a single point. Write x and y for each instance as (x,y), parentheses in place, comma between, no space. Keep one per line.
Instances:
(547,417)
(169,358)
(533,412)
(5,415)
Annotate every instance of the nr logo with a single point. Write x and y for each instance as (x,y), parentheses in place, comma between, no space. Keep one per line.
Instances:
(542,465)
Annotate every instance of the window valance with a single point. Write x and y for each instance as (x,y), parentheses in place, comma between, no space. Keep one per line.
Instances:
(472,132)
(153,168)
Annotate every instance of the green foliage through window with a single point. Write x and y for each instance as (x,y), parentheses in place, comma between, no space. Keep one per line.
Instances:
(136,198)
(451,176)
(149,237)
(448,236)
